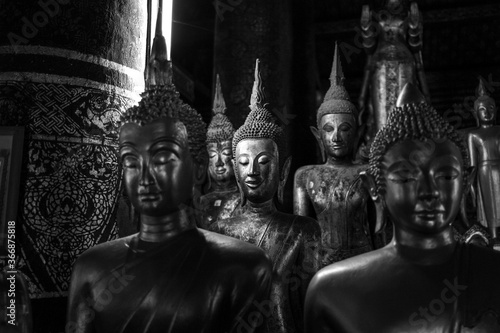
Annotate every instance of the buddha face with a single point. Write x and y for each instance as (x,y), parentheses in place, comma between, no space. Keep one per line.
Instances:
(423,184)
(338,133)
(486,110)
(220,166)
(257,165)
(158,167)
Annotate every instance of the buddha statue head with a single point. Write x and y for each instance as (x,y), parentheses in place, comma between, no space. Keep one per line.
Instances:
(485,109)
(163,153)
(337,131)
(418,167)
(259,152)
(219,144)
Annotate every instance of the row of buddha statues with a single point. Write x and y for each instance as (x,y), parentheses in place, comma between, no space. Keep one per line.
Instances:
(229,260)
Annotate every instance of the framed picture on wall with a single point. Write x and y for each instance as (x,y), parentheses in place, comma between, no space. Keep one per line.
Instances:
(11,154)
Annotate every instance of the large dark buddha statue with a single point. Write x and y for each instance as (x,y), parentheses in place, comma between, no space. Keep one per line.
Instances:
(223,196)
(170,276)
(423,281)
(484,150)
(332,192)
(290,241)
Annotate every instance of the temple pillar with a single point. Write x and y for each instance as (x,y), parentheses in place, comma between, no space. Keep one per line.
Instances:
(68,69)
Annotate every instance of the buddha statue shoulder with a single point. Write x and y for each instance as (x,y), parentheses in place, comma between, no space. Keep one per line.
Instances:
(424,280)
(290,241)
(332,192)
(392,38)
(170,276)
(222,197)
(484,152)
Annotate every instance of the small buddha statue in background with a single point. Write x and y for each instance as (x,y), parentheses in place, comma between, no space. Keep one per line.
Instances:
(484,151)
(223,196)
(392,38)
(332,192)
(424,280)
(290,241)
(170,276)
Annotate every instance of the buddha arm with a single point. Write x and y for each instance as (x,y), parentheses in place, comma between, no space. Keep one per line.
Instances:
(300,196)
(80,314)
(473,163)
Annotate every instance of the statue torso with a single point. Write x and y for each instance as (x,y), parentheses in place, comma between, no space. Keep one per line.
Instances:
(218,205)
(170,285)
(339,200)
(487,143)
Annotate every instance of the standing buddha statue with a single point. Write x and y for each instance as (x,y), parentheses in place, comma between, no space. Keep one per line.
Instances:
(484,151)
(332,192)
(392,39)
(290,241)
(223,196)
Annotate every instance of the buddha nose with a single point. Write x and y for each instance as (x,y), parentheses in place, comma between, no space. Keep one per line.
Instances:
(427,189)
(336,136)
(147,177)
(219,163)
(254,168)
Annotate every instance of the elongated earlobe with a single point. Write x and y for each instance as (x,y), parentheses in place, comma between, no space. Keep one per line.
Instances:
(243,199)
(317,135)
(378,200)
(284,176)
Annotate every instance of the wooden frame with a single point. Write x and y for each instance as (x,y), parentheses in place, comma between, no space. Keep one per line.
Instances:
(11,155)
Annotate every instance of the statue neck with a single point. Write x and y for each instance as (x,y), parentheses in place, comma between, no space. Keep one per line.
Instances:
(487,124)
(225,186)
(264,208)
(346,160)
(423,248)
(162,228)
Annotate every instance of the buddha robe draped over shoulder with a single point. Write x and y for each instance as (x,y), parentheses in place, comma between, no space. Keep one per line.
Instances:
(196,282)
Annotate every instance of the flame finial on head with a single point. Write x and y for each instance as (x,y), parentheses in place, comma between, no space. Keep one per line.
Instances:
(258,97)
(220,128)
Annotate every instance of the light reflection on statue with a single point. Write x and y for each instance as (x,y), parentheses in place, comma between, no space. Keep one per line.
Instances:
(392,39)
(332,192)
(484,150)
(424,280)
(170,276)
(223,196)
(290,241)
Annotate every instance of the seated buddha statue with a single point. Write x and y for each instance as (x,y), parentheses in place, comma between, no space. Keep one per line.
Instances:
(424,280)
(223,196)
(332,192)
(170,276)
(290,241)
(484,152)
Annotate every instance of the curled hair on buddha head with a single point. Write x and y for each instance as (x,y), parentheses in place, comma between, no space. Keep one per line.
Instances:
(336,99)
(260,123)
(220,128)
(411,119)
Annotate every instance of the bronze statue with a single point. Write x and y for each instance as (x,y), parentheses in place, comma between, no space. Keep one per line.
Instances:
(484,150)
(424,280)
(290,241)
(332,192)
(170,276)
(223,197)
(392,39)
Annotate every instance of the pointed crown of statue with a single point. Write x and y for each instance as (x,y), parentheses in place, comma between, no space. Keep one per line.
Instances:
(162,100)
(260,123)
(220,128)
(336,99)
(411,119)
(482,93)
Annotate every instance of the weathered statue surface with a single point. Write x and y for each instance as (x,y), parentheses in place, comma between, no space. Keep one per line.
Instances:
(332,192)
(423,281)
(223,196)
(484,150)
(290,241)
(392,39)
(170,276)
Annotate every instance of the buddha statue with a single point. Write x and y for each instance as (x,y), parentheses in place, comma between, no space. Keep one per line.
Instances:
(332,192)
(484,152)
(170,276)
(290,241)
(424,280)
(392,39)
(223,196)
